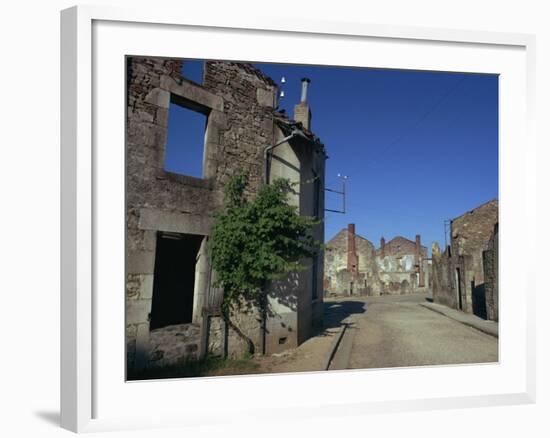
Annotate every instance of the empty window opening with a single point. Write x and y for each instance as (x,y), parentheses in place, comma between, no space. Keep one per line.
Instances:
(174,281)
(185,140)
(192,69)
(282,340)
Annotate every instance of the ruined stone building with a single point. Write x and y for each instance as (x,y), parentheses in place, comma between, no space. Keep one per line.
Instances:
(172,310)
(403,265)
(350,265)
(465,274)
(353,266)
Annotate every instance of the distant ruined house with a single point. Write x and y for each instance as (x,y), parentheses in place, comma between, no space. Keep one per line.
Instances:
(172,310)
(404,265)
(353,266)
(465,274)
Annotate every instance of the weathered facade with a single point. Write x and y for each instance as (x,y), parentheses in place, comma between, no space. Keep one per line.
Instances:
(350,265)
(403,265)
(465,275)
(172,311)
(353,266)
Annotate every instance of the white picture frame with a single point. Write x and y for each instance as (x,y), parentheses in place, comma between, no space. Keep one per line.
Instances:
(89,399)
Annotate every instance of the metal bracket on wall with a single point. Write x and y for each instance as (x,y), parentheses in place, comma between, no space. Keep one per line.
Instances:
(342,193)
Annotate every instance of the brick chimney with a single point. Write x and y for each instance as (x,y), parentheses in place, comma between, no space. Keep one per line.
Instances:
(302,112)
(353,267)
(382,247)
(418,261)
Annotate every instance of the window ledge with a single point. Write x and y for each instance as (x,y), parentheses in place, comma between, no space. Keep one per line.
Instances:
(203,183)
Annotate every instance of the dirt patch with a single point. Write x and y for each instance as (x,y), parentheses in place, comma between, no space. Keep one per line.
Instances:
(310,356)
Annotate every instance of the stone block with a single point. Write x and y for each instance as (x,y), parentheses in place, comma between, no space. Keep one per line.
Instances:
(161,117)
(218,119)
(153,219)
(149,240)
(194,94)
(265,97)
(146,287)
(158,97)
(137,312)
(140,262)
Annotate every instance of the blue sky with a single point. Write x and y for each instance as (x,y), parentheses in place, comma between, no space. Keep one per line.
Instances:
(418,147)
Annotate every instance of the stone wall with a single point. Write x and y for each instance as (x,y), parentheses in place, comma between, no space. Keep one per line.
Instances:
(400,246)
(470,234)
(248,98)
(490,267)
(173,344)
(223,340)
(239,125)
(460,273)
(443,285)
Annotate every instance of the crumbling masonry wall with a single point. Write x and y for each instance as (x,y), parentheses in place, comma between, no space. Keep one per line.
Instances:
(238,103)
(403,266)
(340,278)
(465,274)
(398,267)
(443,287)
(490,267)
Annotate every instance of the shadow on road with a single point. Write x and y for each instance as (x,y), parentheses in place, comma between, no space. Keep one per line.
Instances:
(335,312)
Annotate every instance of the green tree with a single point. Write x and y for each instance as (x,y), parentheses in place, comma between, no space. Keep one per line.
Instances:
(257,241)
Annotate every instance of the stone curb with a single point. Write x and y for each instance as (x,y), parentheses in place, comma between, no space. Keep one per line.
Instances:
(480,327)
(334,346)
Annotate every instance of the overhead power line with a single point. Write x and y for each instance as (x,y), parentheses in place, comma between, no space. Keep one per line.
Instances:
(423,117)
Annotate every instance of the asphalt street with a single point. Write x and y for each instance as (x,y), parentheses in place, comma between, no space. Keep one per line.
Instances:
(396,331)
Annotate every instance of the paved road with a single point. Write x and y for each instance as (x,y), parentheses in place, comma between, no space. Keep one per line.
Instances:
(395,331)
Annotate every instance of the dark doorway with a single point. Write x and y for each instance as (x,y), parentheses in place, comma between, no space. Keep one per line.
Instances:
(174,282)
(479,306)
(459,288)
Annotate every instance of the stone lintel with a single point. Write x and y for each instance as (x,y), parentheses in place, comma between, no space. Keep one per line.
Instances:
(192,93)
(159,220)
